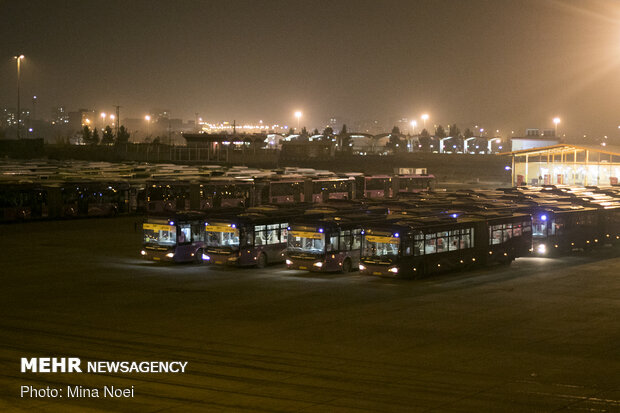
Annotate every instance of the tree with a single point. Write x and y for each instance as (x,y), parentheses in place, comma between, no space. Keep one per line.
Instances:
(108,136)
(328,131)
(454,131)
(395,130)
(95,137)
(425,140)
(457,138)
(123,135)
(344,129)
(86,137)
(395,142)
(468,134)
(315,132)
(304,132)
(440,132)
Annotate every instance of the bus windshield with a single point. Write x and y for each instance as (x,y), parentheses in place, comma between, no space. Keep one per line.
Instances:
(303,241)
(221,235)
(380,246)
(160,234)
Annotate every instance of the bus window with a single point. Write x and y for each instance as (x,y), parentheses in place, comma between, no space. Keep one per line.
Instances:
(283,232)
(517,230)
(418,244)
(357,239)
(221,236)
(430,246)
(185,234)
(260,238)
(442,241)
(310,242)
(453,244)
(380,246)
(332,245)
(160,234)
(272,233)
(539,227)
(345,240)
(467,238)
(197,233)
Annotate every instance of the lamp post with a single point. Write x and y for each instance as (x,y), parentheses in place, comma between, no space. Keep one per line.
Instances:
(147,118)
(103,115)
(19,59)
(555,125)
(424,119)
(298,116)
(413,126)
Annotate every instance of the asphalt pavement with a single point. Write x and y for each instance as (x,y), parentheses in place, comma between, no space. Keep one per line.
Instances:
(540,335)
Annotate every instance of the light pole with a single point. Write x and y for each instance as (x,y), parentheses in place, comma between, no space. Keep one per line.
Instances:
(555,124)
(413,126)
(19,59)
(298,116)
(103,115)
(424,119)
(147,118)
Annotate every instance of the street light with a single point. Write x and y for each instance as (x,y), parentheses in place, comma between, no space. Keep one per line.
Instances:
(103,115)
(147,118)
(298,116)
(414,124)
(19,59)
(424,119)
(555,123)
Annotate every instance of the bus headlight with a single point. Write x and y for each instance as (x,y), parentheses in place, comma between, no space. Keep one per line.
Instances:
(205,257)
(393,270)
(318,264)
(362,267)
(143,252)
(289,262)
(542,249)
(170,255)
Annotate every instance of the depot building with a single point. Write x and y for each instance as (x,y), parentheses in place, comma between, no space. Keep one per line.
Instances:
(566,164)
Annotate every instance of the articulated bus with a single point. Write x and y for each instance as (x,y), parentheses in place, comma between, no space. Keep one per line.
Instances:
(422,246)
(324,189)
(413,183)
(282,191)
(376,186)
(328,244)
(255,237)
(177,237)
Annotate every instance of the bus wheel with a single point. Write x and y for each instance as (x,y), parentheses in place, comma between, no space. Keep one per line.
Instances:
(198,257)
(346,266)
(261,261)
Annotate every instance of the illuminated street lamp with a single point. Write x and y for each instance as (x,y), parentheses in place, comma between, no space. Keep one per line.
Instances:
(103,115)
(112,117)
(147,118)
(424,119)
(19,59)
(414,124)
(298,116)
(555,123)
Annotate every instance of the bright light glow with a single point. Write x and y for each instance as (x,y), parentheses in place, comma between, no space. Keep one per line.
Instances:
(393,270)
(424,117)
(543,217)
(396,235)
(321,230)
(318,264)
(143,252)
(362,267)
(298,114)
(454,215)
(556,120)
(103,115)
(170,255)
(171,222)
(414,123)
(289,262)
(542,249)
(508,168)
(205,257)
(147,118)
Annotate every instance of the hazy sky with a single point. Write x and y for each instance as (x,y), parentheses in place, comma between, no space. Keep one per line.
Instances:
(507,64)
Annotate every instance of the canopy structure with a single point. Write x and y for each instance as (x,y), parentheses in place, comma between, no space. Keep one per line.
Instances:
(566,164)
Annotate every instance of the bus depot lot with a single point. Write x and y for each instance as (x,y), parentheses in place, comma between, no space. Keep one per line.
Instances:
(540,335)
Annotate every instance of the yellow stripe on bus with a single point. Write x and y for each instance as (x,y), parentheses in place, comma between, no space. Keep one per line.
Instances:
(388,240)
(158,227)
(220,228)
(306,234)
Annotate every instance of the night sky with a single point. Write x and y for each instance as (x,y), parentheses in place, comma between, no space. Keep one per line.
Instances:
(503,64)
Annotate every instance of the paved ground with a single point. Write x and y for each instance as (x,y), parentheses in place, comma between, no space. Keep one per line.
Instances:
(541,335)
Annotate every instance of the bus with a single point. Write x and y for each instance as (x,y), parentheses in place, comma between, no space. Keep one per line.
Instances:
(327,244)
(256,237)
(413,183)
(93,198)
(422,246)
(323,189)
(375,186)
(176,237)
(562,228)
(284,190)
